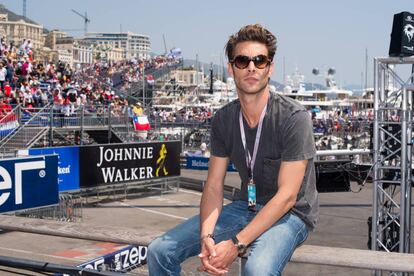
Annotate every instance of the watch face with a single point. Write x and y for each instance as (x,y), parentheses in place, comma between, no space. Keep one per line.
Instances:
(241,248)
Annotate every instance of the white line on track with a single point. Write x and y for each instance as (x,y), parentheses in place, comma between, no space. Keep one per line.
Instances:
(153,211)
(190,192)
(40,254)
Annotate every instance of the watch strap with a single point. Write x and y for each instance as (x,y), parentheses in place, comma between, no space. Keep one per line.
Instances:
(235,240)
(241,248)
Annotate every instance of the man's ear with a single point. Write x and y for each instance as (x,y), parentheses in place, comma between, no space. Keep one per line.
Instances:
(230,69)
(271,68)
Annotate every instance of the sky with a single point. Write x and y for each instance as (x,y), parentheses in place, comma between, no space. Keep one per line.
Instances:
(318,33)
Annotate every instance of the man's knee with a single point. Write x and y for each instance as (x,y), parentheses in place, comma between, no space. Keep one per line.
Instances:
(265,270)
(156,249)
(158,258)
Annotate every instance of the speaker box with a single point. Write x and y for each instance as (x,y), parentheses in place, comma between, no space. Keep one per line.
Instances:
(402,36)
(332,177)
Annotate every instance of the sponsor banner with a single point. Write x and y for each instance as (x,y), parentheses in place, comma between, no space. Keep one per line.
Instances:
(122,260)
(68,165)
(28,183)
(201,163)
(120,163)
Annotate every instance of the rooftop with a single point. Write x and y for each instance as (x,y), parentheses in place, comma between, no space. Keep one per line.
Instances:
(15,17)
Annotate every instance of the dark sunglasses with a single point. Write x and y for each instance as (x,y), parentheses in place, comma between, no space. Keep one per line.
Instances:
(242,62)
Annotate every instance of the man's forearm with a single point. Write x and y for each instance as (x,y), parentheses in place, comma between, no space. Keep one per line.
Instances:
(210,207)
(291,175)
(266,217)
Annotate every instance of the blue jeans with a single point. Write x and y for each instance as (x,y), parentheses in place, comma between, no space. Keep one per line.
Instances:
(268,254)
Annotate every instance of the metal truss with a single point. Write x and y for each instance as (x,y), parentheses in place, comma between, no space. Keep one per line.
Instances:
(392,156)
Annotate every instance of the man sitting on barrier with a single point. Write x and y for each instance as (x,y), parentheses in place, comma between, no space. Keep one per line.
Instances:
(269,138)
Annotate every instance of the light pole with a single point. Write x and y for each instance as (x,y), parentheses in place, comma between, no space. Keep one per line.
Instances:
(143,84)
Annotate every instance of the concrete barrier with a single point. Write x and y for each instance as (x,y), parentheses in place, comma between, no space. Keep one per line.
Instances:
(355,258)
(310,254)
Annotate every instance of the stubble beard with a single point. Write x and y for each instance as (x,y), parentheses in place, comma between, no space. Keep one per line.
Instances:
(259,90)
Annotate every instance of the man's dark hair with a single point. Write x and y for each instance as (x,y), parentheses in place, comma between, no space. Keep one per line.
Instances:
(254,32)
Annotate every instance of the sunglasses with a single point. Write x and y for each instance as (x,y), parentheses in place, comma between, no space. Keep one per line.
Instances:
(242,62)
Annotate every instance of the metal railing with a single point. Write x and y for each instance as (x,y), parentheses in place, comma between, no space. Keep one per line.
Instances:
(70,208)
(44,268)
(33,123)
(136,89)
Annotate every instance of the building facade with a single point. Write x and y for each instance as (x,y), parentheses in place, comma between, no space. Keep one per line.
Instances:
(65,56)
(188,77)
(135,45)
(108,53)
(16,28)
(85,52)
(52,36)
(81,52)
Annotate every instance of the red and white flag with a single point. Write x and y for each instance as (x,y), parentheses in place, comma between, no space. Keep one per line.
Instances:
(8,124)
(141,123)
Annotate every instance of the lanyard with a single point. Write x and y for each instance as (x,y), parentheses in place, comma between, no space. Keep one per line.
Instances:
(250,160)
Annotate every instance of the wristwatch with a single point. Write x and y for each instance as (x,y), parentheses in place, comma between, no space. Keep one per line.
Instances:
(241,248)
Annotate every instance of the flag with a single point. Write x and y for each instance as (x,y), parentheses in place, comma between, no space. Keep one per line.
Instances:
(150,79)
(8,124)
(175,53)
(141,123)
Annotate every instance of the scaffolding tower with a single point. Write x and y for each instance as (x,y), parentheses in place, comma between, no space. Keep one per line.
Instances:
(392,155)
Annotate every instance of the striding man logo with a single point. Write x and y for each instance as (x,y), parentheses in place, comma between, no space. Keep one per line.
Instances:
(409,31)
(161,161)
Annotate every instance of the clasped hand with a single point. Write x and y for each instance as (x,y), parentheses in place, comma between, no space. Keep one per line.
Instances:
(216,258)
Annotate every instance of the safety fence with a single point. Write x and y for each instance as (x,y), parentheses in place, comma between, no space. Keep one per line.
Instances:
(68,209)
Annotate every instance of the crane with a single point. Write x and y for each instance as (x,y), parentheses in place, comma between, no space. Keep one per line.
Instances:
(165,45)
(24,8)
(85,18)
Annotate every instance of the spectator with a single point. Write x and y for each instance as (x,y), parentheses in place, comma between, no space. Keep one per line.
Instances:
(3,74)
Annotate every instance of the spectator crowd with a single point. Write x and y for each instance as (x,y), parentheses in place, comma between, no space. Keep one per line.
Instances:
(33,84)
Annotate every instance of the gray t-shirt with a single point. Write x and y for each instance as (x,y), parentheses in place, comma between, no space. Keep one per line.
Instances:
(287,135)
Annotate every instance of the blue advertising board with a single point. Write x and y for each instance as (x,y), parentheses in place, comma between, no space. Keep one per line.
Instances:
(201,163)
(68,165)
(28,183)
(123,260)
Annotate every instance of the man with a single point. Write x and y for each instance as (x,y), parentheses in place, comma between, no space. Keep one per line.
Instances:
(269,138)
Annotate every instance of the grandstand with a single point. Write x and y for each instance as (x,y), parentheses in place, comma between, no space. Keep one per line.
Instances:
(55,105)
